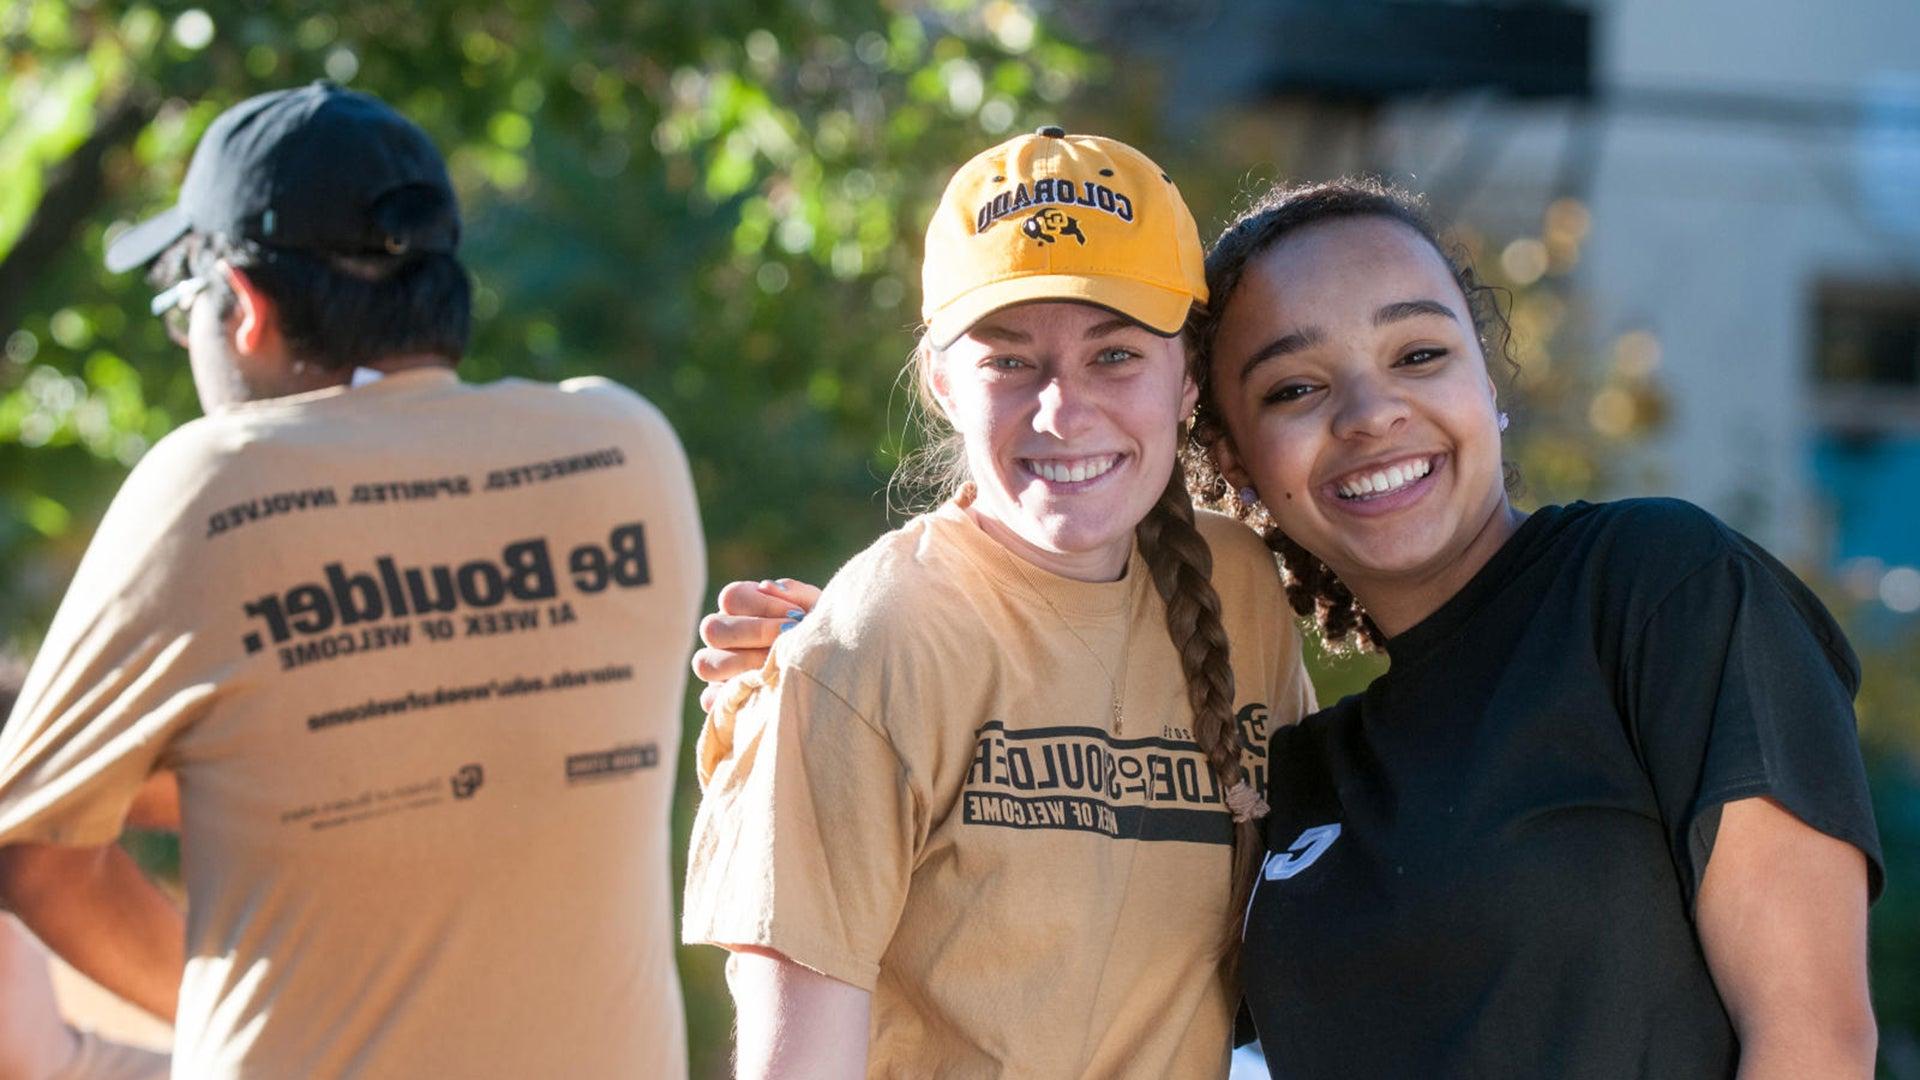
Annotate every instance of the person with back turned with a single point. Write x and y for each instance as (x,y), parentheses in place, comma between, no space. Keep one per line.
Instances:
(414,648)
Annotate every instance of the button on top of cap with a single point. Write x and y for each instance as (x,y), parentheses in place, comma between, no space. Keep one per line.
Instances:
(1052,131)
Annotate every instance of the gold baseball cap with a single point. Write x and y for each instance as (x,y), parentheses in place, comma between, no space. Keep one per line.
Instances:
(1053,216)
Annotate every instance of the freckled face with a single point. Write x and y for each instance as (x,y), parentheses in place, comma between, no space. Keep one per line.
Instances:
(1069,415)
(1357,401)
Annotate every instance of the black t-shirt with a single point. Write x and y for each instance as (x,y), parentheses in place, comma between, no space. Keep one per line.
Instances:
(1485,865)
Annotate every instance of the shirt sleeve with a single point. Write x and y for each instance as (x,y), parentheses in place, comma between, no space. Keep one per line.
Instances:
(1741,685)
(122,670)
(807,833)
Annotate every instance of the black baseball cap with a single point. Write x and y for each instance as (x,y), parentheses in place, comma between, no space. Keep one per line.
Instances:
(319,168)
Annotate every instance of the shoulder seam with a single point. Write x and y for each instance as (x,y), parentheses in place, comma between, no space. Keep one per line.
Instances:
(1728,552)
(876,729)
(1710,561)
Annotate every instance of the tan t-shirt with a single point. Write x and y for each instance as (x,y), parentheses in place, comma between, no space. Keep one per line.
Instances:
(417,651)
(924,795)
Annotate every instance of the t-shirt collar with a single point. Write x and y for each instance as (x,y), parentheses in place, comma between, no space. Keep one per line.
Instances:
(1068,596)
(410,380)
(1419,641)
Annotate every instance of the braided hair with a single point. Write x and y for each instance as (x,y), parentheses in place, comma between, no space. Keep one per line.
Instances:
(1181,566)
(1313,589)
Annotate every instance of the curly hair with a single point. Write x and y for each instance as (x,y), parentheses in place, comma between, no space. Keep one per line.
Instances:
(1314,590)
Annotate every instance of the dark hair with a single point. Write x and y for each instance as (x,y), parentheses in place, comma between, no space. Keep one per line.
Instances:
(1181,565)
(1312,587)
(338,311)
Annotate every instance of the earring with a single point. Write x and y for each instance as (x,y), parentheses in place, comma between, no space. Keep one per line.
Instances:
(1249,497)
(1503,420)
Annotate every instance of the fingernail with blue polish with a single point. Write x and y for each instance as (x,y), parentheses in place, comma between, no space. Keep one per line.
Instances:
(796,614)
(786,626)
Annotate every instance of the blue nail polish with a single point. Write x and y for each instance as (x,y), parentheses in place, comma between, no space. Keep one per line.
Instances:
(796,614)
(786,626)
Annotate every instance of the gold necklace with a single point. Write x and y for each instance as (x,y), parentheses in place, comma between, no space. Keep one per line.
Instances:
(1116,687)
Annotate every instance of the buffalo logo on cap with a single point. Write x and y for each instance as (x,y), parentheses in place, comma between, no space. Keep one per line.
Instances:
(1049,225)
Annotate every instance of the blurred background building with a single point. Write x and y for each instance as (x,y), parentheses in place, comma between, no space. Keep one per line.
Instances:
(1730,188)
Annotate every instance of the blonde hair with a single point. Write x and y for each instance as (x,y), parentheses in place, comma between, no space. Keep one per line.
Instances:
(934,471)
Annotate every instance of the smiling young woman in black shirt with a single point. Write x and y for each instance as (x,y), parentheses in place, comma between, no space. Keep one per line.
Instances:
(1605,814)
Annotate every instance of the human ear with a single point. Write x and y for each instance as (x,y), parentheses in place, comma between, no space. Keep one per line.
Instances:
(1226,457)
(254,316)
(933,363)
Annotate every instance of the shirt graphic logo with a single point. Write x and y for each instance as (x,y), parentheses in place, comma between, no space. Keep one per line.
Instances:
(467,781)
(1253,729)
(1303,852)
(1049,225)
(1086,779)
(606,764)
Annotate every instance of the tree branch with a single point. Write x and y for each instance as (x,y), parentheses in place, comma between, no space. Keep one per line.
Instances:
(71,196)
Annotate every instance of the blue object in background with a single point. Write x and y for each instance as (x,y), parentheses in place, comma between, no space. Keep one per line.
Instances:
(1872,484)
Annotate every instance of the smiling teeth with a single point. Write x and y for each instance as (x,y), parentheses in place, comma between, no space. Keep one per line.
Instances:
(1072,472)
(1386,480)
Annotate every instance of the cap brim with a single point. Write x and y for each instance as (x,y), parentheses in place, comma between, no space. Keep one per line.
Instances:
(1162,310)
(144,242)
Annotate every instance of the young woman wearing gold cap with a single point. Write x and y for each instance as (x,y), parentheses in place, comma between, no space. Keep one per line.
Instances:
(986,808)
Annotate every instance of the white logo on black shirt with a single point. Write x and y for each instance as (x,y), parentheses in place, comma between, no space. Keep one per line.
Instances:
(1281,865)
(1312,844)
